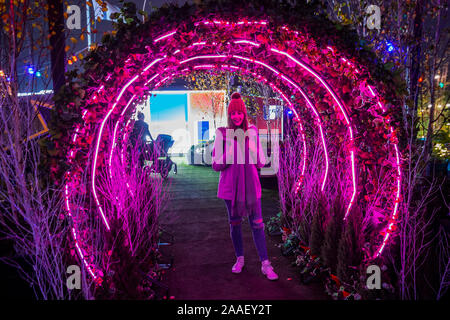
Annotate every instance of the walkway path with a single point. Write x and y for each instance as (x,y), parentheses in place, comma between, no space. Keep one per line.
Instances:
(203,252)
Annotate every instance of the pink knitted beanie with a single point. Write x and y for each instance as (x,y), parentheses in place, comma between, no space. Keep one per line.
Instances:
(236,104)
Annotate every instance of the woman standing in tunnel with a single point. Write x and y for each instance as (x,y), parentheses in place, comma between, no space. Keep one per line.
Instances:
(237,154)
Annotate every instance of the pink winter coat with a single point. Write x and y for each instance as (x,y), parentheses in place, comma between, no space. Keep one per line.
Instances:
(225,188)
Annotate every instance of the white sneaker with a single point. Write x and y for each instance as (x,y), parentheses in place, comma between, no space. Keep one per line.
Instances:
(267,270)
(237,267)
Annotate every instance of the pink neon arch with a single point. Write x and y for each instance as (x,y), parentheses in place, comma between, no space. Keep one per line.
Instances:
(342,108)
(353,169)
(296,117)
(209,66)
(245,41)
(123,112)
(208,57)
(310,105)
(327,87)
(157,85)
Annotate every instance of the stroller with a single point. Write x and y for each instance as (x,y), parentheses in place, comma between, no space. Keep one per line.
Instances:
(156,151)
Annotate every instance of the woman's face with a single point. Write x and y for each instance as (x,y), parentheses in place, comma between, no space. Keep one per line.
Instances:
(237,117)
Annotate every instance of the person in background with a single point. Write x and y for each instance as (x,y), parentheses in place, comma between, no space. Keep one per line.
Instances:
(239,183)
(140,129)
(140,135)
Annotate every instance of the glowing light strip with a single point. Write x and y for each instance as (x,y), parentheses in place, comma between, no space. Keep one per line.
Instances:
(114,135)
(206,22)
(203,57)
(302,133)
(68,210)
(297,119)
(324,83)
(159,83)
(399,175)
(341,106)
(94,167)
(396,202)
(247,42)
(371,91)
(153,63)
(203,43)
(152,78)
(326,157)
(74,233)
(319,122)
(204,66)
(164,36)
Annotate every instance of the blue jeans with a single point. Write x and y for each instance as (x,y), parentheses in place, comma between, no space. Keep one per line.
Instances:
(256,223)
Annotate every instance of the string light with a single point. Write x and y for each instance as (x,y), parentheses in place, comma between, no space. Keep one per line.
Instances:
(390,47)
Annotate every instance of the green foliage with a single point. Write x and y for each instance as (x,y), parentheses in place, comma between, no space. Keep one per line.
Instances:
(274,225)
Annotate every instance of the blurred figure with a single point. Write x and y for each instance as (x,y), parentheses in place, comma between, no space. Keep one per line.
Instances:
(140,136)
(140,130)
